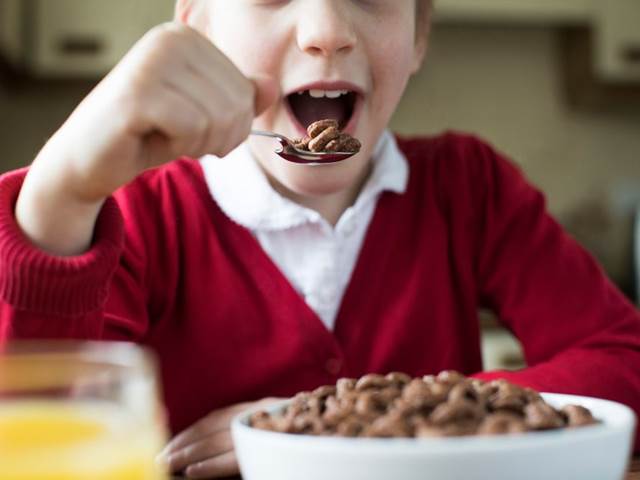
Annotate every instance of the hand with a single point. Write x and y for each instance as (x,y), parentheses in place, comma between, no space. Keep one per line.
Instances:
(205,450)
(173,94)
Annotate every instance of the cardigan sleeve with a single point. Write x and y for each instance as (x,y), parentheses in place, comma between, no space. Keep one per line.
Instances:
(51,297)
(579,333)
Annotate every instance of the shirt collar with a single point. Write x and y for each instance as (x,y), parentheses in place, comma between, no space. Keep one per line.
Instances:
(244,194)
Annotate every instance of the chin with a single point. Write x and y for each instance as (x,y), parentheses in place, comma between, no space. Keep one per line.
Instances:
(320,181)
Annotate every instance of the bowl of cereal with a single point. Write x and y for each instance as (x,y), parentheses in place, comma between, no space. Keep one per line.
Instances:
(441,427)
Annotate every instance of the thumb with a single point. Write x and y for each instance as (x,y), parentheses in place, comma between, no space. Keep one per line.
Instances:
(266,93)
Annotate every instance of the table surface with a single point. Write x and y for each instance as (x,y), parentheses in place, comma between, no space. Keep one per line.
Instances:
(634,470)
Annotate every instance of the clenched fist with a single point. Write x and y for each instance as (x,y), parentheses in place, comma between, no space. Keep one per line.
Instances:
(173,94)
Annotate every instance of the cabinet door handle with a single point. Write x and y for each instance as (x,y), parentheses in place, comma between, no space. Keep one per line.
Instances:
(631,54)
(80,45)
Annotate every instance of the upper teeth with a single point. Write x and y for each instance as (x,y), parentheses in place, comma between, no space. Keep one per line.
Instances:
(326,93)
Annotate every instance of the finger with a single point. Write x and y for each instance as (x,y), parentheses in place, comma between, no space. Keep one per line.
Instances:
(196,90)
(216,421)
(229,108)
(209,447)
(267,92)
(237,134)
(178,120)
(224,465)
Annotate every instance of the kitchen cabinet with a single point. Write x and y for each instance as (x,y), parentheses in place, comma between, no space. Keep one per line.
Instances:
(614,27)
(10,30)
(617,40)
(518,12)
(88,37)
(77,38)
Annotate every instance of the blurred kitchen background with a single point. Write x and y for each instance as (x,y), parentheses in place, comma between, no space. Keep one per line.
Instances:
(554,84)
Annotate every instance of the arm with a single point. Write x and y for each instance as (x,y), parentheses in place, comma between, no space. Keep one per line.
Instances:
(61,233)
(99,295)
(579,333)
(173,94)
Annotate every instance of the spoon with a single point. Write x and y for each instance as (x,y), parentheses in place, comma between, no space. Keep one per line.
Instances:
(289,152)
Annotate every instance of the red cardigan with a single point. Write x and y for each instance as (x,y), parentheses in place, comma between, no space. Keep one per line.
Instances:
(168,269)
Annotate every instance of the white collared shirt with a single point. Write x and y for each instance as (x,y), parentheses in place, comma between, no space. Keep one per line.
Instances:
(315,257)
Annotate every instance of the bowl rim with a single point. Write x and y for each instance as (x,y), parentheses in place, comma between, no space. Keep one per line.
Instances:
(623,424)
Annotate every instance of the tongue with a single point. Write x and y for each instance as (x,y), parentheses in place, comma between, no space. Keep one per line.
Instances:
(308,109)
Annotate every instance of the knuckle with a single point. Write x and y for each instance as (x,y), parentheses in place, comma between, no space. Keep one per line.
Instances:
(200,429)
(158,32)
(165,38)
(179,28)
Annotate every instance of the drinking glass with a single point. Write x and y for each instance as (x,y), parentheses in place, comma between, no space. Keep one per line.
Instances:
(79,411)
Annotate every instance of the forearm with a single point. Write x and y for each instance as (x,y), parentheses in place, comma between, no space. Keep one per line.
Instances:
(49,213)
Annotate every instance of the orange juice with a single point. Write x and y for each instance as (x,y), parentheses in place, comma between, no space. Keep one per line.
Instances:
(63,440)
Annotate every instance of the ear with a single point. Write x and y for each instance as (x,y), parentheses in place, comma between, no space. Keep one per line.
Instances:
(191,13)
(183,11)
(424,14)
(419,52)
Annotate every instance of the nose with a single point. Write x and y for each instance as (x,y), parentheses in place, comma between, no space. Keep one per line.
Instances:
(325,28)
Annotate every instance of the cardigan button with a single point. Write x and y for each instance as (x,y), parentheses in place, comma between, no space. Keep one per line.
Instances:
(333,366)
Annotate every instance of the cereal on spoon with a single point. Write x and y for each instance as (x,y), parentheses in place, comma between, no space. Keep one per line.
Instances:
(325,136)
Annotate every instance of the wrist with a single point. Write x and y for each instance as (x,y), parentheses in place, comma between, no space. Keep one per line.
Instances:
(52,216)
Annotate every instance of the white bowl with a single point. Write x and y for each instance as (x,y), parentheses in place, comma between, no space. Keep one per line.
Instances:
(598,452)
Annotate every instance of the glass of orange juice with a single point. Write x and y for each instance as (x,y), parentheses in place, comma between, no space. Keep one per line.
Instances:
(79,411)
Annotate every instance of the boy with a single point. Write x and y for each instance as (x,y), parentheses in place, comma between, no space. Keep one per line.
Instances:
(253,277)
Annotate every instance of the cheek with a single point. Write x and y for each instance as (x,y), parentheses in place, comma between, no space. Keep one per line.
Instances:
(392,64)
(246,51)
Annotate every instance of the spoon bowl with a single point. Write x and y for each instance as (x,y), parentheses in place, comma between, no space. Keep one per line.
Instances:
(292,154)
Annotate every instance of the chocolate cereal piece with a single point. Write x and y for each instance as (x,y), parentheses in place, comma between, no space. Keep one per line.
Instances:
(398,378)
(501,423)
(578,416)
(319,142)
(316,128)
(325,136)
(371,381)
(396,405)
(542,416)
(345,385)
(301,143)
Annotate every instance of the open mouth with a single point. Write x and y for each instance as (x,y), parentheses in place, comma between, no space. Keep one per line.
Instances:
(308,106)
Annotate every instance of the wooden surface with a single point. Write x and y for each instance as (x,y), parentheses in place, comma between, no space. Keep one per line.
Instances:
(634,471)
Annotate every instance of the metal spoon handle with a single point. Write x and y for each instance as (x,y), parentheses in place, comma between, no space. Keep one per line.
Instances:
(262,133)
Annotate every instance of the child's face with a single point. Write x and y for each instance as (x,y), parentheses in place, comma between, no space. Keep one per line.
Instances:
(366,47)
